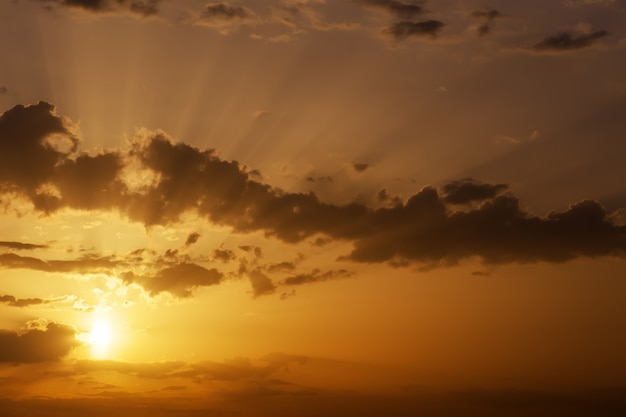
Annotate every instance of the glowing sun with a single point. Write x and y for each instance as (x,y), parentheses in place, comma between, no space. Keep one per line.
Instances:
(100,338)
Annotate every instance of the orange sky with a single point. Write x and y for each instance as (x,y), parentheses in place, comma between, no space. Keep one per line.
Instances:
(308,207)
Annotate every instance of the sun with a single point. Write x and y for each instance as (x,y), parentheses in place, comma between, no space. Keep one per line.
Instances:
(100,337)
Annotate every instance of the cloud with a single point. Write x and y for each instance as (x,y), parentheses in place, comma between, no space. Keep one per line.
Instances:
(21,246)
(469,190)
(404,30)
(224,255)
(316,276)
(224,17)
(191,239)
(179,280)
(359,166)
(466,218)
(402,9)
(142,8)
(488,16)
(261,283)
(3,89)
(21,302)
(577,3)
(564,41)
(50,343)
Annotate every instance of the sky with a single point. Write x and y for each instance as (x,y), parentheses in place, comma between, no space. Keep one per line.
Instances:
(312,207)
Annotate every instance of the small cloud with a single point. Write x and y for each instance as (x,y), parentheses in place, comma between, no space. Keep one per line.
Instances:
(224,255)
(142,8)
(261,283)
(224,17)
(3,89)
(191,239)
(563,42)
(360,166)
(397,8)
(468,190)
(21,302)
(405,29)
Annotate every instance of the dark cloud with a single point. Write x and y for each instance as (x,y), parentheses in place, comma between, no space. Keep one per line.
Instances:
(281,267)
(37,345)
(567,42)
(359,166)
(179,280)
(468,190)
(465,218)
(21,302)
(404,30)
(326,178)
(316,276)
(261,283)
(191,239)
(224,255)
(142,8)
(86,264)
(488,16)
(21,246)
(398,8)
(224,16)
(384,197)
(425,230)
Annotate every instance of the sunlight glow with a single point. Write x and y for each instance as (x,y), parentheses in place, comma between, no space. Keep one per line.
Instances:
(100,338)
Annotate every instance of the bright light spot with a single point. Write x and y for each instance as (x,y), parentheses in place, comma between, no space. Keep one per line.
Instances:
(100,338)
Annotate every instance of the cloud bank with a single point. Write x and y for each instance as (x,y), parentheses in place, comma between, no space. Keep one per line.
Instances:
(40,162)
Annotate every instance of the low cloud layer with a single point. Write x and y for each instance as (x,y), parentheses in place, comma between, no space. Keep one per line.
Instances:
(463,219)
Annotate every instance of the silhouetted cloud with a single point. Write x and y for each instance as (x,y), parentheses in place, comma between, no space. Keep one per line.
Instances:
(49,343)
(224,255)
(468,219)
(403,9)
(359,166)
(139,7)
(316,276)
(179,280)
(224,16)
(404,30)
(191,239)
(488,16)
(261,283)
(21,302)
(567,42)
(21,246)
(468,190)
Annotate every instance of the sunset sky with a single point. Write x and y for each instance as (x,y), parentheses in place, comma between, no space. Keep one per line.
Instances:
(312,208)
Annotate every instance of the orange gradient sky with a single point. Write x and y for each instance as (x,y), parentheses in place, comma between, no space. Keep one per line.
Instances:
(309,207)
